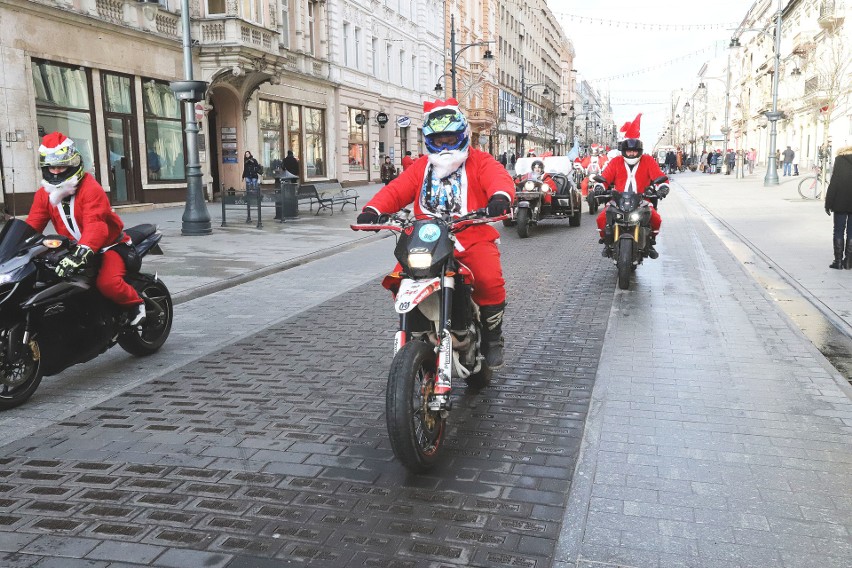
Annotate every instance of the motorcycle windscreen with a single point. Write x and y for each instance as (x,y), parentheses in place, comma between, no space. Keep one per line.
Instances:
(12,238)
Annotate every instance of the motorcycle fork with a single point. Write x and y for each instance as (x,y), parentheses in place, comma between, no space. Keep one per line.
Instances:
(443,380)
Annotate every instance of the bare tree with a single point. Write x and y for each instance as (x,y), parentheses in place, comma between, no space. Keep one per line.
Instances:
(830,85)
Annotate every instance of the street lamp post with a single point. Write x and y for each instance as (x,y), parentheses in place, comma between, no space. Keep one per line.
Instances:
(771,177)
(196,218)
(524,88)
(454,54)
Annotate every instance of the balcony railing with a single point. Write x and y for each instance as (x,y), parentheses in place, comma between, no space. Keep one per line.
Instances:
(831,14)
(237,32)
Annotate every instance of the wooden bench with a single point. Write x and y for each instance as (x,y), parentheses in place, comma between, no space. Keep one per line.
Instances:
(326,195)
(247,199)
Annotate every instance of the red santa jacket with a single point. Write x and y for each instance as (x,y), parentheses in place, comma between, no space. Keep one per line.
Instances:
(483,178)
(601,160)
(99,225)
(645,171)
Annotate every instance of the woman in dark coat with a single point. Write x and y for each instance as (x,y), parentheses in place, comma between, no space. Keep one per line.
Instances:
(838,200)
(251,171)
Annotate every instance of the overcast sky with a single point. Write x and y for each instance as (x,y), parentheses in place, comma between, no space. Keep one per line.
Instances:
(608,49)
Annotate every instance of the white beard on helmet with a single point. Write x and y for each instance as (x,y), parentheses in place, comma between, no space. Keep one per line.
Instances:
(59,192)
(446,162)
(632,161)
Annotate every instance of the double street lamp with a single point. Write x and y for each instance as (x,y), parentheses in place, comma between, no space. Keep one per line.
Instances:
(455,53)
(524,88)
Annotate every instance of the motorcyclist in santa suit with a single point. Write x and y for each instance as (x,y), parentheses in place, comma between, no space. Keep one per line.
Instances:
(631,169)
(593,163)
(79,209)
(454,178)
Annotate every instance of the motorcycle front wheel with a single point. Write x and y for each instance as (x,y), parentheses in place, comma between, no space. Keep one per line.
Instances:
(624,256)
(416,433)
(152,334)
(19,380)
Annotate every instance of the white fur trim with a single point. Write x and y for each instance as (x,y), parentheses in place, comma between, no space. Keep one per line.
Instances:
(59,192)
(436,109)
(64,144)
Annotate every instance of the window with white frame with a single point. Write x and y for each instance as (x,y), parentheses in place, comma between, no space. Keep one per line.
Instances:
(215,7)
(346,46)
(413,72)
(285,24)
(388,60)
(252,10)
(357,48)
(375,55)
(402,73)
(310,29)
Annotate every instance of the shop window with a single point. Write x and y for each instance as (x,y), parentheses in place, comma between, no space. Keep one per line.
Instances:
(117,94)
(357,140)
(164,129)
(271,136)
(63,104)
(294,130)
(314,159)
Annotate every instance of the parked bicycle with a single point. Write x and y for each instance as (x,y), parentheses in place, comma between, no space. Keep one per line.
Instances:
(813,185)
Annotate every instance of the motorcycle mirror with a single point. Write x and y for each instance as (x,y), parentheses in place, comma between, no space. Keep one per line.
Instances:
(599,179)
(660,179)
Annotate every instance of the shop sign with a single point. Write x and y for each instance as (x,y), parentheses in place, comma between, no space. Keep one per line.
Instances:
(382,119)
(403,121)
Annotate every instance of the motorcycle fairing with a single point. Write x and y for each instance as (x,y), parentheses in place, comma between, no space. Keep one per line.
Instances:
(429,236)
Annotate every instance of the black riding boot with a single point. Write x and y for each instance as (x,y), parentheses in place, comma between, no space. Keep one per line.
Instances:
(492,334)
(847,262)
(838,254)
(652,252)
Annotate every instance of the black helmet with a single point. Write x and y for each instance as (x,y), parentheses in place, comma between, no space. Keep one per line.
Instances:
(631,144)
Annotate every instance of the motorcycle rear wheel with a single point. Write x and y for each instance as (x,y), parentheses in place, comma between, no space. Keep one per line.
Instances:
(524,222)
(625,264)
(25,373)
(153,333)
(416,433)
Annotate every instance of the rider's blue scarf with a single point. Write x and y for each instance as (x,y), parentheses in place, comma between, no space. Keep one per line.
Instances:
(442,195)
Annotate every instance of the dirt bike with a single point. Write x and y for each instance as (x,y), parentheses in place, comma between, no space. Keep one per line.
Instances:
(49,323)
(439,332)
(628,227)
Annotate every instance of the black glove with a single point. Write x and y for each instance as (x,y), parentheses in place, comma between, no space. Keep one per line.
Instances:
(367,217)
(74,261)
(828,211)
(498,205)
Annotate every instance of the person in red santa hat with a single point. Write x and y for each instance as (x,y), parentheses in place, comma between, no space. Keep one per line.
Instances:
(637,170)
(79,209)
(593,164)
(455,178)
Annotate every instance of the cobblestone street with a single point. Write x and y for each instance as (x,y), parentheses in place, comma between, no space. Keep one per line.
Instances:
(274,449)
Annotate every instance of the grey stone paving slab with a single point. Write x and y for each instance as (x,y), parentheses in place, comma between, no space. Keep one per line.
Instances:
(740,388)
(273,446)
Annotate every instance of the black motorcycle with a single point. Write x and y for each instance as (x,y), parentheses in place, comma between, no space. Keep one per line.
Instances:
(628,227)
(48,323)
(439,333)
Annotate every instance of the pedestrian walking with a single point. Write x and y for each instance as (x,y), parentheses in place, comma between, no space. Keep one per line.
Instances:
(407,160)
(291,164)
(388,171)
(838,200)
(251,172)
(730,161)
(751,157)
(787,157)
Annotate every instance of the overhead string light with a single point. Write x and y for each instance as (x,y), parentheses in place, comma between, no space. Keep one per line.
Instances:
(662,65)
(644,26)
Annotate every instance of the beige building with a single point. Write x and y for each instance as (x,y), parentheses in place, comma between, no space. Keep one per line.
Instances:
(534,73)
(339,82)
(814,82)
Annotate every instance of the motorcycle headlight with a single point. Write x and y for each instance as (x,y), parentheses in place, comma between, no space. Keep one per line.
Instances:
(529,186)
(634,216)
(420,260)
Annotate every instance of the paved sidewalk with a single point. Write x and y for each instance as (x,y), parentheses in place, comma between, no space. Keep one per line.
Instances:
(793,233)
(198,265)
(717,434)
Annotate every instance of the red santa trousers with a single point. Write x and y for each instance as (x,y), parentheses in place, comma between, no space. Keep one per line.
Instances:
(111,282)
(656,220)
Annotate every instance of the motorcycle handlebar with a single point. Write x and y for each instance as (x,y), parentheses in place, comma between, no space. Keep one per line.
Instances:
(396,223)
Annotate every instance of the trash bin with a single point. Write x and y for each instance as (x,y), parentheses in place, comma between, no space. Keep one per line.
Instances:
(287,183)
